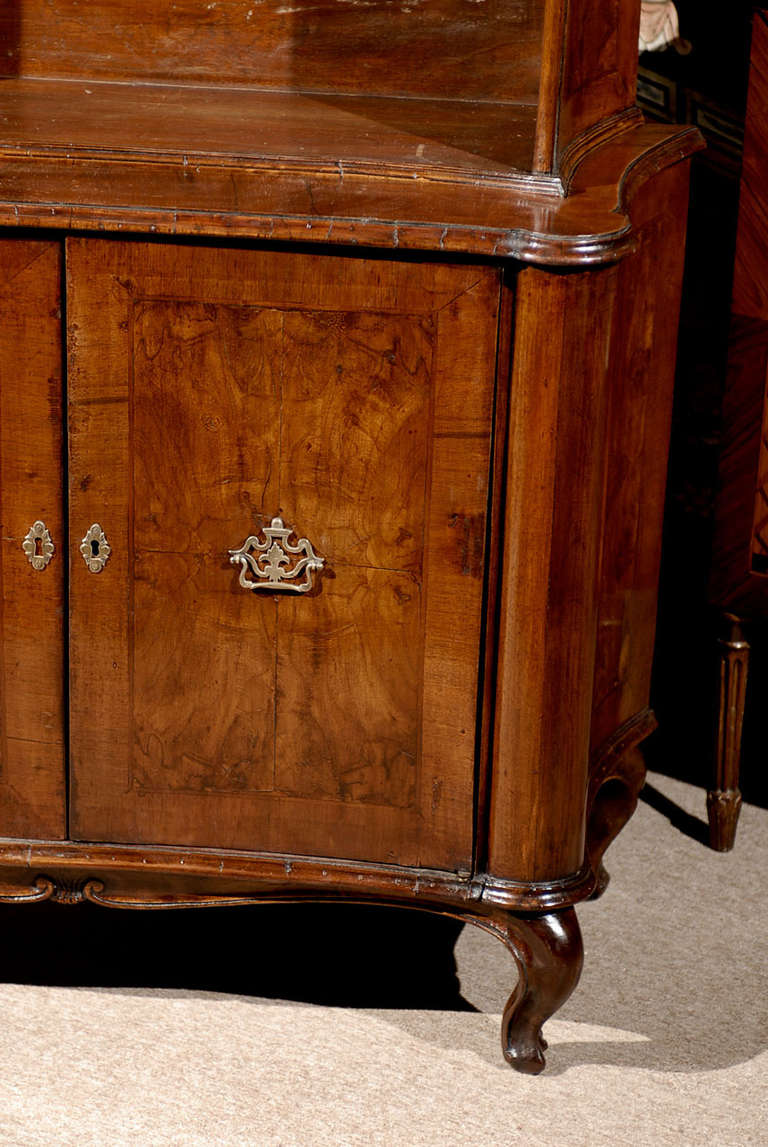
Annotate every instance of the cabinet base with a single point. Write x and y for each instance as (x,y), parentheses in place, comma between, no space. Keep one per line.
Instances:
(536,921)
(545,944)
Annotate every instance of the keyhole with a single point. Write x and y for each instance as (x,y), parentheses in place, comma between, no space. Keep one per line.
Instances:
(38,547)
(94,547)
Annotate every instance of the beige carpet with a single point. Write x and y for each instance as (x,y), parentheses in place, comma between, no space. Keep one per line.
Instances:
(663,1043)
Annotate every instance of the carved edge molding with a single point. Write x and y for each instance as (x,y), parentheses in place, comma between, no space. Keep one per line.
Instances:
(617,775)
(521,239)
(43,888)
(608,755)
(463,897)
(602,132)
(80,891)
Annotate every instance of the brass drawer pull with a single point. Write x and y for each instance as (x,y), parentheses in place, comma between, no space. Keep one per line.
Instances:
(271,564)
(95,549)
(38,546)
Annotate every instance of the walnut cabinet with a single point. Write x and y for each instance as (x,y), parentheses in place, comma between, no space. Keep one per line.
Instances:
(334,405)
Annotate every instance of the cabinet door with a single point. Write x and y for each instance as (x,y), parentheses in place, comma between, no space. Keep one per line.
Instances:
(210,391)
(31,591)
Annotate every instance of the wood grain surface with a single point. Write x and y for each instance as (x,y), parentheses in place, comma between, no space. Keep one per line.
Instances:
(450,48)
(572,64)
(750,289)
(589,426)
(434,137)
(210,390)
(448,175)
(550,558)
(640,380)
(599,69)
(32,621)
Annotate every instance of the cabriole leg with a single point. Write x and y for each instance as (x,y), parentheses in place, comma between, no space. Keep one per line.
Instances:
(549,955)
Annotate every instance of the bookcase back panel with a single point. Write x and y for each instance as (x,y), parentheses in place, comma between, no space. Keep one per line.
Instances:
(440,48)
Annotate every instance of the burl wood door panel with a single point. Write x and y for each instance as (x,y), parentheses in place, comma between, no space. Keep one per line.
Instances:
(211,390)
(32,769)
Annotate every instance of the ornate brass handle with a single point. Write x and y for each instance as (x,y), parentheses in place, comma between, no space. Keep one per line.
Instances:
(95,549)
(272,564)
(38,546)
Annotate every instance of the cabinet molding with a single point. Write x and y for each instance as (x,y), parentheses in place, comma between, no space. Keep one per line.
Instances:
(168,877)
(315,205)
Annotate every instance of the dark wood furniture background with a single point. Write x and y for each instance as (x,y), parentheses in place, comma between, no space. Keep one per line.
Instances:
(697,740)
(740,555)
(318,265)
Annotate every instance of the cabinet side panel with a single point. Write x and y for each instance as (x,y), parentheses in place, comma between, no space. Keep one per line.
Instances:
(32,754)
(549,573)
(642,373)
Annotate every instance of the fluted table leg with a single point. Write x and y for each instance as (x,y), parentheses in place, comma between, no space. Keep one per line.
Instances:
(724,799)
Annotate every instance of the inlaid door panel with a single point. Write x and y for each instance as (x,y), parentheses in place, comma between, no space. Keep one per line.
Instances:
(32,768)
(211,391)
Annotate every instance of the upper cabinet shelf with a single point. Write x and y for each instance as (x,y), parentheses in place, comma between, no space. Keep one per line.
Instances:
(462,49)
(418,136)
(470,118)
